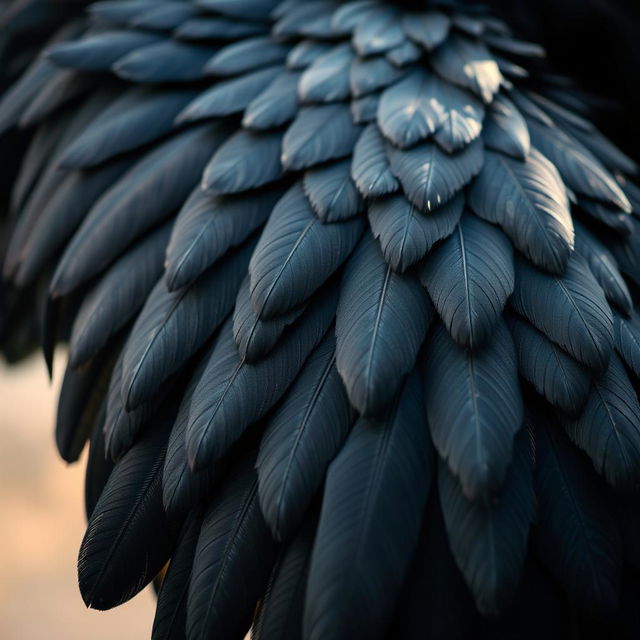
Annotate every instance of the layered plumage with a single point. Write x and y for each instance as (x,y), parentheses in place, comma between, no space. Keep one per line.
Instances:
(350,295)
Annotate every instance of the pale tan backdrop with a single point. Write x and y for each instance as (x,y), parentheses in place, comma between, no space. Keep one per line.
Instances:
(42,523)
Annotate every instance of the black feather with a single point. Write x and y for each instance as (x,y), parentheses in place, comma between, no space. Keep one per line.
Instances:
(431,177)
(381,321)
(528,200)
(469,278)
(301,439)
(296,254)
(128,539)
(489,540)
(172,326)
(117,297)
(608,429)
(554,374)
(318,134)
(474,407)
(231,393)
(151,190)
(570,310)
(375,494)
(233,559)
(406,234)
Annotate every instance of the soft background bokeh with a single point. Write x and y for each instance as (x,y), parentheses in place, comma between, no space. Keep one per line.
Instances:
(42,523)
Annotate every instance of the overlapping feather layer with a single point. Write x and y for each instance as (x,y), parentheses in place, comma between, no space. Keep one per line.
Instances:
(350,300)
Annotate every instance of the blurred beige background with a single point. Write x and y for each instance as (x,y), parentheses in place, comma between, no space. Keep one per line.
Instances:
(42,523)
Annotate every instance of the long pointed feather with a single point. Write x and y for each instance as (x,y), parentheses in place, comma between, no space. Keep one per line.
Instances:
(489,540)
(374,498)
(296,254)
(381,321)
(469,278)
(231,393)
(300,441)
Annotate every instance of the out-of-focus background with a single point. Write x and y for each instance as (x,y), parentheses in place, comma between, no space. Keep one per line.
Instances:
(42,523)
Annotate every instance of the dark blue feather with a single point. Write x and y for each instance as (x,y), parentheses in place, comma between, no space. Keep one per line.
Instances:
(506,130)
(184,490)
(608,429)
(276,105)
(604,268)
(474,407)
(528,200)
(367,75)
(279,616)
(364,110)
(429,29)
(172,326)
(140,116)
(576,533)
(304,53)
(80,406)
(381,322)
(380,31)
(407,112)
(578,167)
(257,9)
(171,610)
(246,55)
(374,498)
(555,375)
(318,134)
(296,254)
(370,168)
(231,394)
(405,234)
(232,562)
(332,193)
(168,61)
(129,538)
(208,226)
(255,337)
(218,28)
(327,78)
(121,427)
(570,310)
(431,177)
(229,96)
(627,340)
(301,439)
(489,539)
(151,190)
(61,214)
(100,51)
(117,297)
(469,278)
(468,64)
(245,161)
(165,17)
